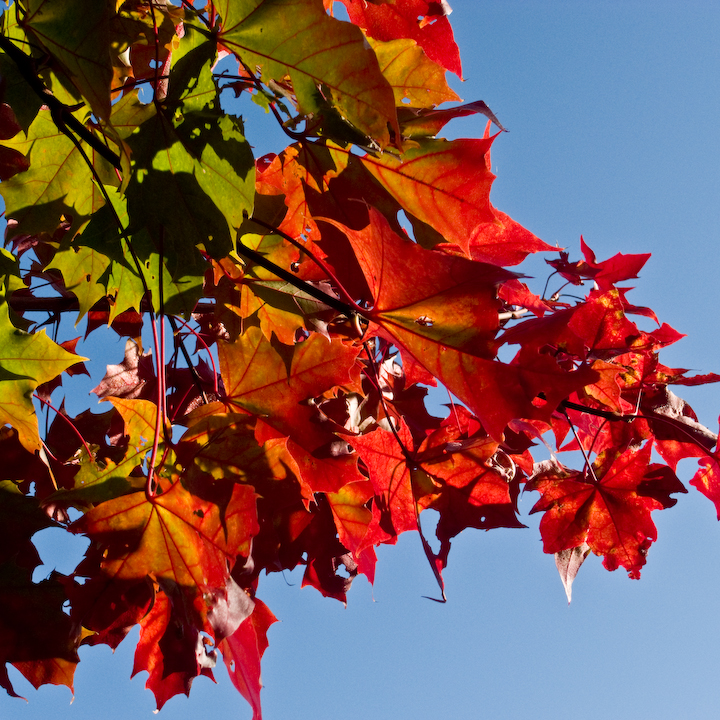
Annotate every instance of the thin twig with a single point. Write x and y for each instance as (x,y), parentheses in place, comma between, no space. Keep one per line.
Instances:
(333,302)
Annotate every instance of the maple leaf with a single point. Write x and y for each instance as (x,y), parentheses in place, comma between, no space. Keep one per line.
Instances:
(195,190)
(82,268)
(36,635)
(172,653)
(607,507)
(297,38)
(57,183)
(258,380)
(446,319)
(394,509)
(416,80)
(442,183)
(619,267)
(26,361)
(477,484)
(242,652)
(425,21)
(77,34)
(185,544)
(174,536)
(133,378)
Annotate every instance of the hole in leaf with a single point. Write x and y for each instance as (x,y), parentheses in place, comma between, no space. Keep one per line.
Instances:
(59,550)
(406,225)
(540,401)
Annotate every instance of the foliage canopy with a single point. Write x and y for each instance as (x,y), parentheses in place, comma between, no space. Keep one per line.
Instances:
(309,298)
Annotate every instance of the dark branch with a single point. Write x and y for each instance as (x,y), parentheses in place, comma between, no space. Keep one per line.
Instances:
(29,303)
(311,290)
(60,113)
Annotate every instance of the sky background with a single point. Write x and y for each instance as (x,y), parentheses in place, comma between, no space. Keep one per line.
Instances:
(613,110)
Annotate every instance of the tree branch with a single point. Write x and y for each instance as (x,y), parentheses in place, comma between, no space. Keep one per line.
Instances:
(60,113)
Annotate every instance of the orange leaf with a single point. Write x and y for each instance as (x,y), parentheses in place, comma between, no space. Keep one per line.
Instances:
(441,309)
(173,536)
(445,184)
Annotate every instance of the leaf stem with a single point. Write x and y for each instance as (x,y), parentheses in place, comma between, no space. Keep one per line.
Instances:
(320,263)
(68,421)
(334,303)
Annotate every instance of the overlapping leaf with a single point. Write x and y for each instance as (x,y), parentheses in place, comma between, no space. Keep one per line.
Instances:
(608,507)
(57,183)
(242,652)
(441,310)
(77,35)
(193,173)
(328,61)
(26,361)
(444,184)
(258,380)
(416,80)
(425,21)
(288,458)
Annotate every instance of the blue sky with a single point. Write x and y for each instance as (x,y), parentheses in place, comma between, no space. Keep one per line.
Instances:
(613,114)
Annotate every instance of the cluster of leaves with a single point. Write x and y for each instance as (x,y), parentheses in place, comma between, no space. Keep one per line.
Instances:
(310,299)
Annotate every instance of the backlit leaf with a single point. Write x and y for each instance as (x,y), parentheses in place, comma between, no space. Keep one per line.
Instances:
(610,514)
(58,182)
(76,34)
(445,184)
(416,80)
(26,361)
(327,60)
(425,21)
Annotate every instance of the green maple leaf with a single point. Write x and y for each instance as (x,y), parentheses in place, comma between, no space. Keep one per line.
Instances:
(180,272)
(26,361)
(57,183)
(193,171)
(77,35)
(81,268)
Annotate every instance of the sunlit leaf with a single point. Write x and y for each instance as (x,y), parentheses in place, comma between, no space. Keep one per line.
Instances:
(444,184)
(328,61)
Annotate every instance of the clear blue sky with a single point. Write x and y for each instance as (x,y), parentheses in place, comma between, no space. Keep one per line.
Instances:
(613,114)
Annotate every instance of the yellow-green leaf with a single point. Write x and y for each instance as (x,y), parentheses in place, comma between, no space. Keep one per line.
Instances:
(328,61)
(26,361)
(77,35)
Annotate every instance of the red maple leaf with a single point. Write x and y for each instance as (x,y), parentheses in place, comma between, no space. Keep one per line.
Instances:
(242,652)
(607,506)
(394,508)
(424,21)
(441,310)
(260,381)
